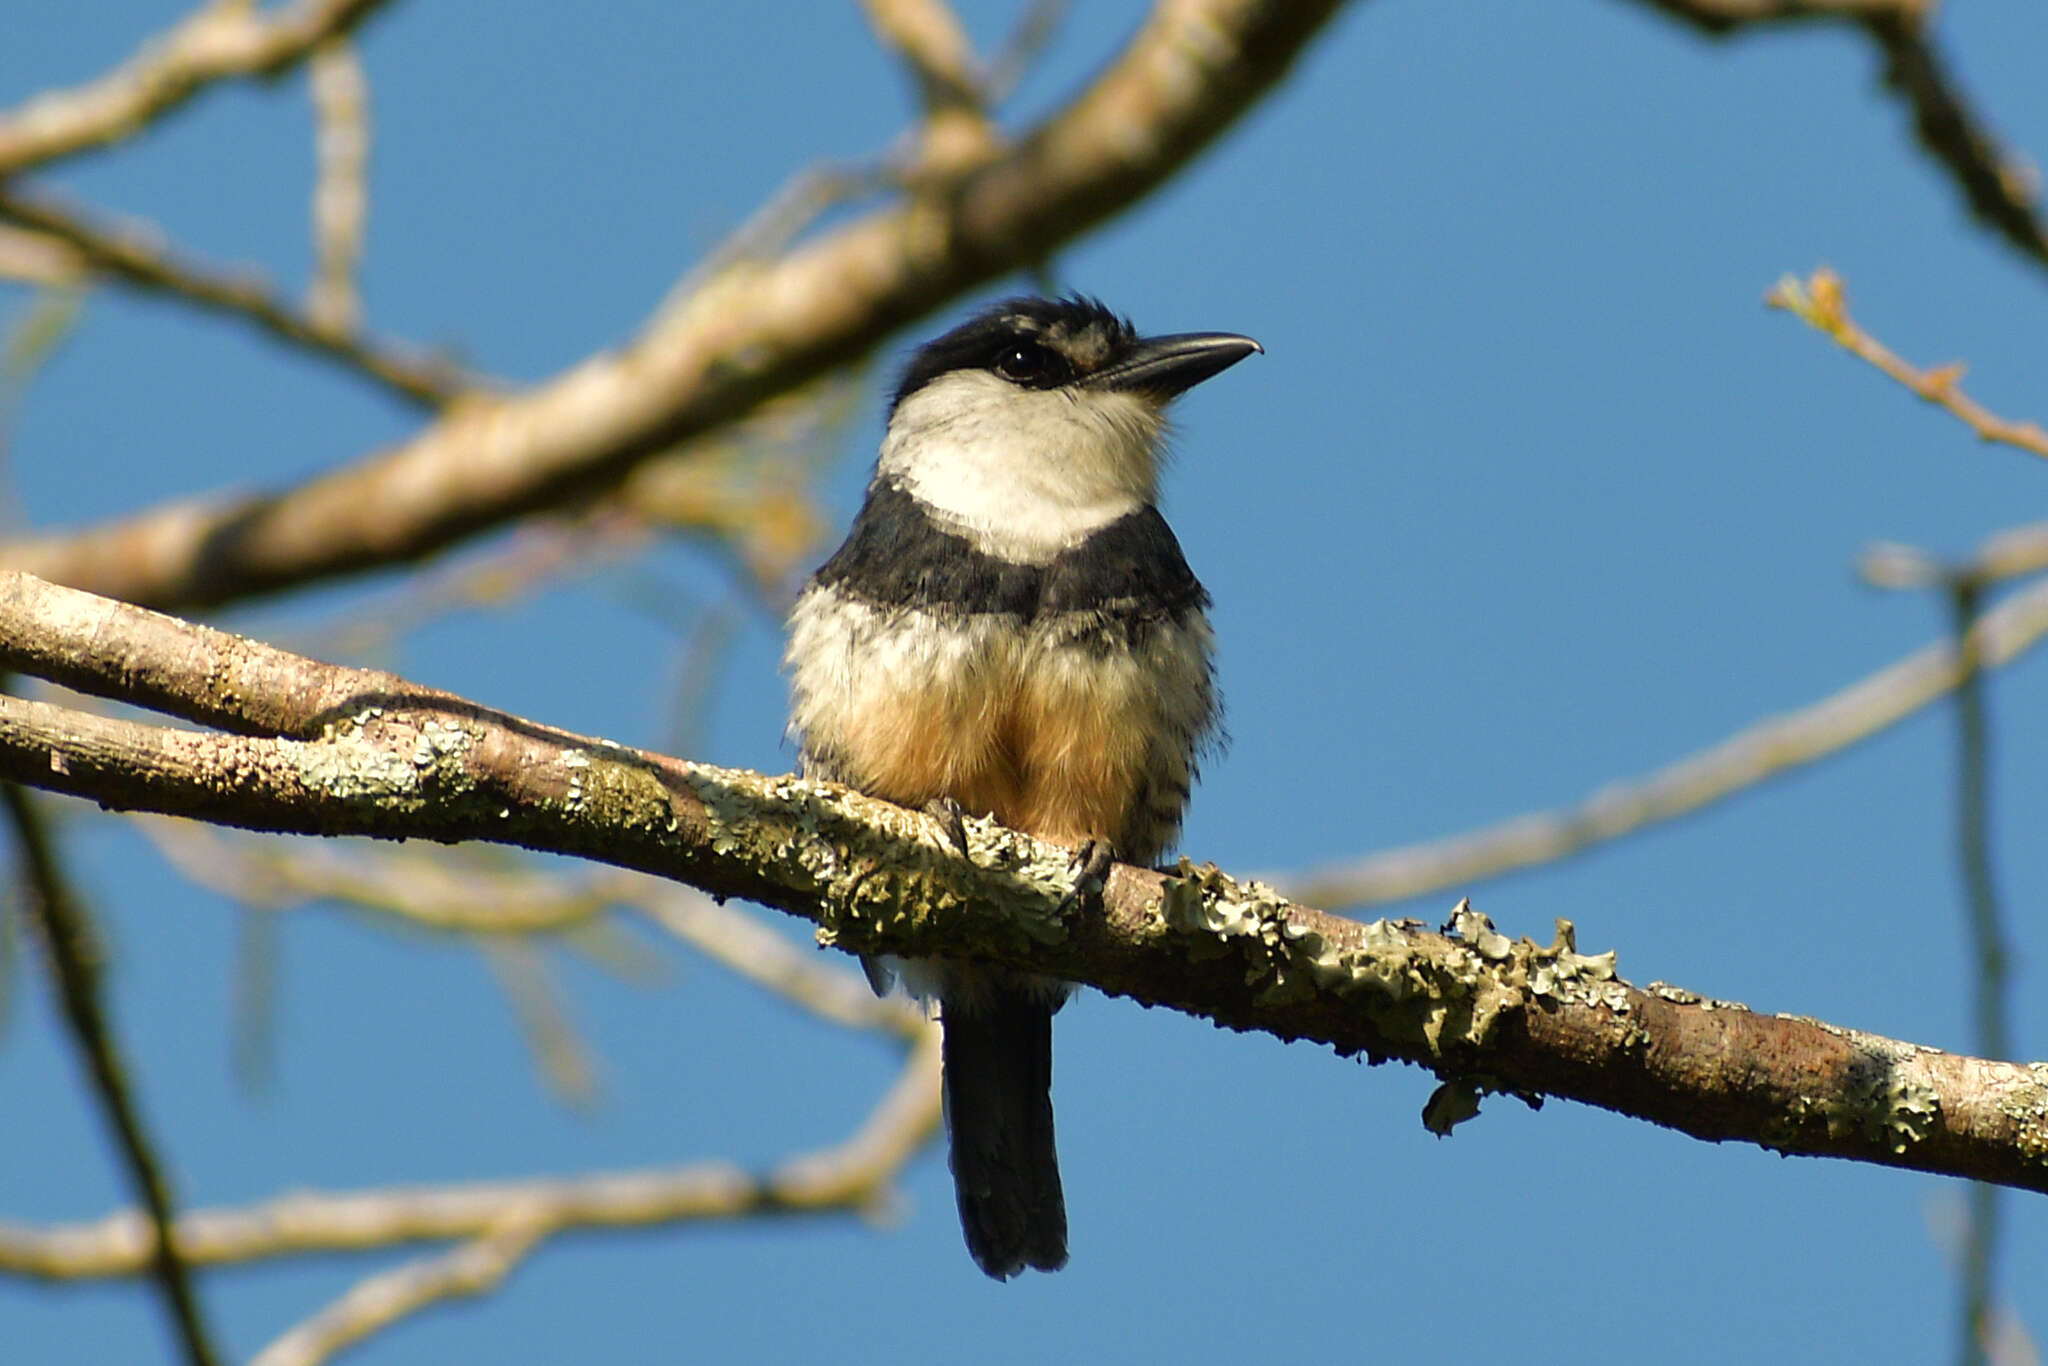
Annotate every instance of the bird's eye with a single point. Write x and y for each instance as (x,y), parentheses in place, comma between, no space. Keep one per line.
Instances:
(1025,363)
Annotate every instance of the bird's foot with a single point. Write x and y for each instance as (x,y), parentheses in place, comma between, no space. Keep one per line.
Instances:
(953,816)
(1091,865)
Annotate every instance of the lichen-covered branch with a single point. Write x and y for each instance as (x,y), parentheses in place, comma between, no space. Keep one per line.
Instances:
(216,42)
(359,752)
(752,331)
(1753,755)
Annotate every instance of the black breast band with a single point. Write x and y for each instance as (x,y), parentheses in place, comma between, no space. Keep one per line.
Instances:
(897,556)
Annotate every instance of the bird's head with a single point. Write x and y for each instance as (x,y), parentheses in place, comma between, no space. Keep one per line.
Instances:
(1039,419)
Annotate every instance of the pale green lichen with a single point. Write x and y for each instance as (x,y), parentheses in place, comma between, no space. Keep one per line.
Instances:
(437,742)
(1559,972)
(2026,1105)
(622,793)
(578,763)
(1885,1098)
(826,831)
(1478,931)
(727,814)
(1415,989)
(348,764)
(342,766)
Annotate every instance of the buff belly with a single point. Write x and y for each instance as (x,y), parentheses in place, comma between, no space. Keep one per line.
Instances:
(1049,727)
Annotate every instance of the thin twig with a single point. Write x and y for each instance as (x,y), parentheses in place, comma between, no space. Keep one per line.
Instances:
(341,198)
(475,1267)
(1030,36)
(2010,554)
(253,1005)
(2001,188)
(929,38)
(74,964)
(557,1049)
(216,42)
(1822,303)
(851,1177)
(137,258)
(1987,938)
(955,134)
(1750,756)
(426,887)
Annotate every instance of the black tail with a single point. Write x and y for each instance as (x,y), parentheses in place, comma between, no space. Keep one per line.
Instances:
(998,1084)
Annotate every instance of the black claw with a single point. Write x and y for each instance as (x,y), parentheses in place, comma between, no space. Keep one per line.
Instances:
(954,815)
(1091,865)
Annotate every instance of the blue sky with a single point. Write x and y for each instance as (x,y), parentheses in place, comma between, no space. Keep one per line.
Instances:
(1529,493)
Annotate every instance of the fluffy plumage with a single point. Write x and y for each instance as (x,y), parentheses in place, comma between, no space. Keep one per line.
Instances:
(1010,624)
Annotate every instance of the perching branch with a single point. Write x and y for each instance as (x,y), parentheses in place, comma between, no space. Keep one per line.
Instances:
(755,330)
(330,750)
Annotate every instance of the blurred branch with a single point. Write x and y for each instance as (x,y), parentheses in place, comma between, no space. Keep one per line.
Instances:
(1741,761)
(2009,554)
(252,1007)
(852,1177)
(1986,1331)
(1973,829)
(1823,304)
(927,36)
(1721,17)
(376,755)
(29,344)
(422,887)
(35,258)
(1988,940)
(558,1051)
(74,966)
(341,199)
(2001,189)
(216,42)
(1032,34)
(748,333)
(475,1267)
(138,258)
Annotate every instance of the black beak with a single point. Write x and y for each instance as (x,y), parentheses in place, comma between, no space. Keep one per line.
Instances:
(1162,367)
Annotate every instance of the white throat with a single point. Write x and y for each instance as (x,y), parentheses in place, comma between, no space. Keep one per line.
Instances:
(1024,473)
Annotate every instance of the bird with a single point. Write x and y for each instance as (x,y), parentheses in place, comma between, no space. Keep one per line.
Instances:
(1011,630)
